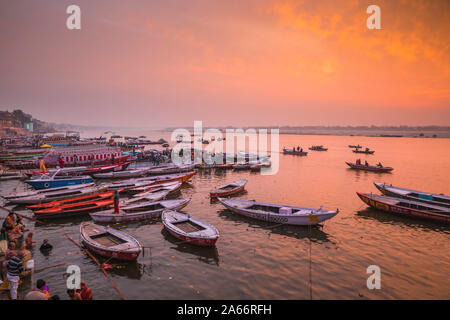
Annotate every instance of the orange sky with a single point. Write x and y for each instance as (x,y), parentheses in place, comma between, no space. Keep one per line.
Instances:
(242,63)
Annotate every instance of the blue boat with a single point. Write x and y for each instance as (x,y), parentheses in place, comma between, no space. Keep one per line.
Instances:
(47,181)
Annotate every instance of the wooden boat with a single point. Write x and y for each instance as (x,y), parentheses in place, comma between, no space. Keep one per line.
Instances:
(414,195)
(83,170)
(353,146)
(364,151)
(228,188)
(224,166)
(54,180)
(147,181)
(133,173)
(139,211)
(171,187)
(109,242)
(415,209)
(189,229)
(74,200)
(46,195)
(294,152)
(282,214)
(149,196)
(369,167)
(318,148)
(171,169)
(75,209)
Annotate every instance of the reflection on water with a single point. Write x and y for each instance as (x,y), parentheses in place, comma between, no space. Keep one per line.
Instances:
(209,255)
(257,260)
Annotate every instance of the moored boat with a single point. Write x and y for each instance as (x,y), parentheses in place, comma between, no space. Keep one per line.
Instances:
(282,214)
(171,169)
(125,174)
(74,209)
(46,181)
(74,200)
(139,211)
(229,188)
(109,242)
(414,195)
(170,187)
(367,151)
(354,146)
(318,148)
(369,167)
(415,209)
(189,229)
(147,181)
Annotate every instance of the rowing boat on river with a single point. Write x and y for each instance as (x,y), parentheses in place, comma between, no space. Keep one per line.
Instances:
(283,214)
(109,242)
(369,167)
(229,188)
(189,229)
(414,209)
(140,211)
(414,195)
(294,152)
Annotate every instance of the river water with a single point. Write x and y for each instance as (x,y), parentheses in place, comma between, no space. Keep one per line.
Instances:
(257,260)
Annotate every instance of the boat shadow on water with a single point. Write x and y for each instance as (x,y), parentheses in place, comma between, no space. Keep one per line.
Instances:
(389,218)
(209,255)
(315,232)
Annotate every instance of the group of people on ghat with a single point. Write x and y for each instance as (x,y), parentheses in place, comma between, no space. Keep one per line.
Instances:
(358,162)
(16,257)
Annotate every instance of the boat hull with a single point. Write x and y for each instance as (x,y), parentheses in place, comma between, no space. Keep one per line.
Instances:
(49,184)
(369,168)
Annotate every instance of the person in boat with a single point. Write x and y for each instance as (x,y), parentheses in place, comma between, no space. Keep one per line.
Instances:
(73,295)
(367,149)
(380,165)
(85,292)
(38,293)
(298,148)
(358,162)
(366,164)
(301,149)
(45,246)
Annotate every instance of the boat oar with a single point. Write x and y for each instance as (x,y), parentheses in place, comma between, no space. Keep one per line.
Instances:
(21,215)
(45,268)
(99,265)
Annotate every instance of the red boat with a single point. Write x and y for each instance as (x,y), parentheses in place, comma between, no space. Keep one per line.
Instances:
(109,242)
(410,208)
(77,200)
(369,167)
(70,210)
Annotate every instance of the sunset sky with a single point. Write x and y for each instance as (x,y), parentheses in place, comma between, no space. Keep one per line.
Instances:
(227,62)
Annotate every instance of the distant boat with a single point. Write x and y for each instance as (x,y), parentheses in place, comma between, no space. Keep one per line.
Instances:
(294,152)
(318,148)
(364,151)
(415,209)
(353,146)
(414,195)
(277,213)
(369,167)
(189,229)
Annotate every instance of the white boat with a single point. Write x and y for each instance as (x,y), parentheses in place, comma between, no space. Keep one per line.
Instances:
(125,174)
(282,214)
(140,211)
(175,168)
(46,195)
(171,187)
(154,195)
(189,229)
(141,182)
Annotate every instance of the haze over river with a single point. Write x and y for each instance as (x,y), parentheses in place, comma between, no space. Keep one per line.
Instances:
(258,260)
